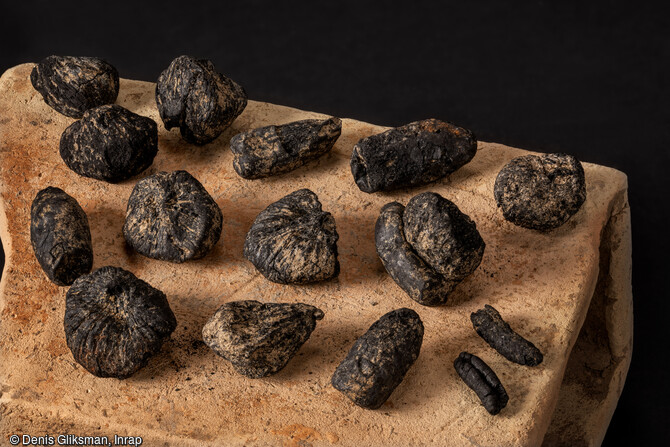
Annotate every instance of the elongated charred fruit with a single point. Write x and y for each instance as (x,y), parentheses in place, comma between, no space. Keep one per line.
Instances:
(414,154)
(60,236)
(273,150)
(380,358)
(483,381)
(500,336)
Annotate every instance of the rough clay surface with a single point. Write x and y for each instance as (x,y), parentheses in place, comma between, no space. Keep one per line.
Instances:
(72,85)
(273,150)
(192,95)
(421,282)
(414,154)
(483,381)
(540,192)
(60,236)
(293,241)
(258,338)
(542,283)
(114,322)
(170,216)
(500,336)
(109,143)
(379,359)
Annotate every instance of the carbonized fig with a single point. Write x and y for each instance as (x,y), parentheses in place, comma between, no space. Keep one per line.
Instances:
(171,217)
(293,241)
(114,322)
(259,339)
(72,85)
(192,95)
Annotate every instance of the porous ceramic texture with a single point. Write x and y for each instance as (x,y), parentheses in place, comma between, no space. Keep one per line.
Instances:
(543,284)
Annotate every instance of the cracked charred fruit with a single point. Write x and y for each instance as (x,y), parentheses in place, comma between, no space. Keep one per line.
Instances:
(483,381)
(114,322)
(443,236)
(380,358)
(293,241)
(275,150)
(258,338)
(540,192)
(71,85)
(110,143)
(192,95)
(414,154)
(171,217)
(60,236)
(500,336)
(417,278)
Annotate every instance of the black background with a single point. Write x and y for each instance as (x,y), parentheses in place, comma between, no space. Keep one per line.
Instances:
(588,79)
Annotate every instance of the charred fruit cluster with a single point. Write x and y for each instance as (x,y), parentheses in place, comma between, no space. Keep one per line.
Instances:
(293,241)
(172,217)
(114,322)
(193,96)
(414,154)
(429,247)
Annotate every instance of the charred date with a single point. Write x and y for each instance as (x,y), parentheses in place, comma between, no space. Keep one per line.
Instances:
(60,236)
(414,154)
(482,380)
(380,358)
(499,335)
(275,150)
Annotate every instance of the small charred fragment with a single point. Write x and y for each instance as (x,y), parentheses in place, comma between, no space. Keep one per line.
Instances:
(540,192)
(414,154)
(293,241)
(114,322)
(60,236)
(71,85)
(259,339)
(192,95)
(421,282)
(443,236)
(110,143)
(275,150)
(499,335)
(482,380)
(171,217)
(380,358)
